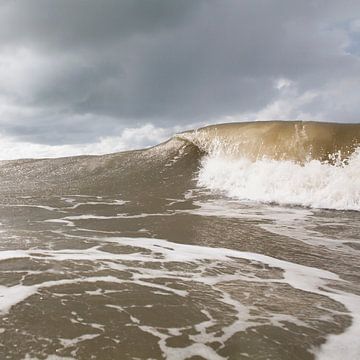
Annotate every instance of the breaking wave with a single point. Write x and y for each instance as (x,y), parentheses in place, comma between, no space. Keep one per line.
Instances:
(312,184)
(309,164)
(299,163)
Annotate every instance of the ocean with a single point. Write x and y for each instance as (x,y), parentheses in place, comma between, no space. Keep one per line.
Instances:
(234,241)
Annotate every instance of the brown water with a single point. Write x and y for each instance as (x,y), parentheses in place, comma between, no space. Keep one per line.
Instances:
(126,256)
(280,140)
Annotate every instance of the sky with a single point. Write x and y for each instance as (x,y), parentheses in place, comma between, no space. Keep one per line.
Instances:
(90,76)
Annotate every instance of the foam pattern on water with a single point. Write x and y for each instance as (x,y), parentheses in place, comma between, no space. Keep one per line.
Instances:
(183,299)
(206,259)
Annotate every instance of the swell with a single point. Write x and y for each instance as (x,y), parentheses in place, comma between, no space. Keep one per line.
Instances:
(165,170)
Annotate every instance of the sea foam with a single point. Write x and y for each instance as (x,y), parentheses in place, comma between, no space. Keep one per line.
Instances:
(314,183)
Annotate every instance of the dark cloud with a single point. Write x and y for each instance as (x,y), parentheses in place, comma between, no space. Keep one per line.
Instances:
(72,71)
(66,24)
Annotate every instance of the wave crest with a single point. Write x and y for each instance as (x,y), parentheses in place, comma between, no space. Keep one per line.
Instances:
(279,140)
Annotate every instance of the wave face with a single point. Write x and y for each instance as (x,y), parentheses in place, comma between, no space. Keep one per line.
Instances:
(279,140)
(298,163)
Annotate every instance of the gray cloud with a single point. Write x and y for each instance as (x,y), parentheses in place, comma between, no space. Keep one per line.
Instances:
(74,71)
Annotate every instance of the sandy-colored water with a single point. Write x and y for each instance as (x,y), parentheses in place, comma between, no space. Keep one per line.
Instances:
(130,256)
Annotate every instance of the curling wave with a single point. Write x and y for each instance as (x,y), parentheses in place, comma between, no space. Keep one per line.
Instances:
(298,163)
(288,162)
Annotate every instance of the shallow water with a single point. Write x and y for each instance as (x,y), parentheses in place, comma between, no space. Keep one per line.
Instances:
(90,277)
(126,257)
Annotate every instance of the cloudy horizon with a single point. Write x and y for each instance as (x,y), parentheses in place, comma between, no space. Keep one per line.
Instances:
(92,77)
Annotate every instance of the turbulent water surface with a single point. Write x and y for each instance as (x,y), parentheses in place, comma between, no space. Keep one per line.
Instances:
(236,241)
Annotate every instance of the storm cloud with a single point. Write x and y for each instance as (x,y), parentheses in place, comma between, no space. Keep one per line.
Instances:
(76,72)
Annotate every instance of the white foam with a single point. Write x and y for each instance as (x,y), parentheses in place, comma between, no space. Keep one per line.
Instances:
(69,220)
(110,203)
(118,216)
(12,295)
(74,341)
(49,208)
(305,278)
(50,357)
(314,184)
(345,345)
